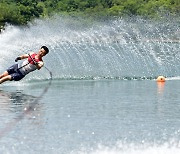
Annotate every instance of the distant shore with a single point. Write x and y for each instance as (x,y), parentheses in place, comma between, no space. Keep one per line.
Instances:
(22,12)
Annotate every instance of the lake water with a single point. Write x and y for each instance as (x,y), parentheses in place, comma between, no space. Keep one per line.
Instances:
(103,98)
(92,116)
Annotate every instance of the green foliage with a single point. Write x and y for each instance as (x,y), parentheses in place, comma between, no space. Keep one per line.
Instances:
(21,11)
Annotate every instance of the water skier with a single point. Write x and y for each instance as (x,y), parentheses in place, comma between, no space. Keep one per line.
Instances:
(32,62)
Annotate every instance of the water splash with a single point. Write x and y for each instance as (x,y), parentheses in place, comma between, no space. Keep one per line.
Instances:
(131,148)
(115,49)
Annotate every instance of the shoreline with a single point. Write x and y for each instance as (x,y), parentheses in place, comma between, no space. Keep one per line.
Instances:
(22,12)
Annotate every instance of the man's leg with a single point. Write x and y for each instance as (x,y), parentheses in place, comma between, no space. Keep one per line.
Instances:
(6,78)
(4,74)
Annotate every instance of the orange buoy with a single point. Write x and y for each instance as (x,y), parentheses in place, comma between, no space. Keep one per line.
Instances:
(161,79)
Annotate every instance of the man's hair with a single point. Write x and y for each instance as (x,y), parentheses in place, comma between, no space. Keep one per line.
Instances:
(46,49)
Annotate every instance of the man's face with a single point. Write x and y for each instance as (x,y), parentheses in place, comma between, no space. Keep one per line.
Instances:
(42,52)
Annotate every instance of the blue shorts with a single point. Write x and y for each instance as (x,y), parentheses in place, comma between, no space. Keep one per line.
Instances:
(16,75)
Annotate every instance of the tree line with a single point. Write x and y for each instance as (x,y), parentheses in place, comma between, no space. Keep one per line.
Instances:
(19,12)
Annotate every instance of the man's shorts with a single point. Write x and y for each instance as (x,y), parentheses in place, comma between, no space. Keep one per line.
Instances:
(16,75)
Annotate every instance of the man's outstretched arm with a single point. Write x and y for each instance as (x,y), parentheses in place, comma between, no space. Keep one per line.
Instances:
(21,57)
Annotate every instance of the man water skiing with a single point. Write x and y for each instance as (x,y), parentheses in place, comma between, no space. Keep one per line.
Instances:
(18,71)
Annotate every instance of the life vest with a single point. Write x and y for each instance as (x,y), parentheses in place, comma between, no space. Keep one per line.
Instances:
(34,59)
(28,65)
